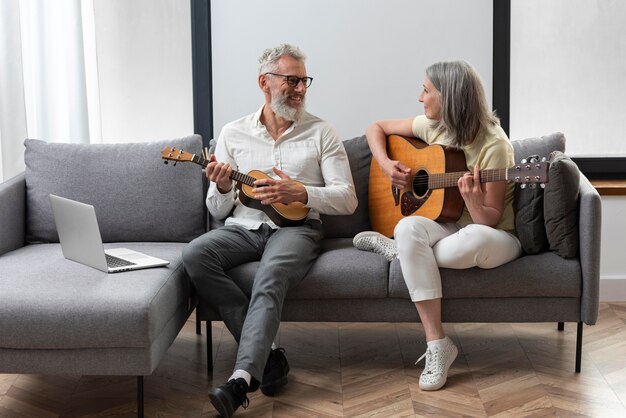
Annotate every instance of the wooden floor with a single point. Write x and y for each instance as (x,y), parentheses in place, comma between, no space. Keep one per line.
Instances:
(356,369)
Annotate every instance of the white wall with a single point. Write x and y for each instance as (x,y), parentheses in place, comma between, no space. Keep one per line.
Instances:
(367,57)
(613,262)
(144,69)
(568,74)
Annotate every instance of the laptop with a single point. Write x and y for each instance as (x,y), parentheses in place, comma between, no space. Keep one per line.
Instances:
(81,241)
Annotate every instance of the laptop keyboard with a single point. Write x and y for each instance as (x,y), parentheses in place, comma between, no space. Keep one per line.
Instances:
(113,261)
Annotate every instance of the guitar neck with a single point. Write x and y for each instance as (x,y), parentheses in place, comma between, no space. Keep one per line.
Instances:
(443,180)
(234,174)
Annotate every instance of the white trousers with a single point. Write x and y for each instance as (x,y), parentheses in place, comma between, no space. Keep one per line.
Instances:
(425,245)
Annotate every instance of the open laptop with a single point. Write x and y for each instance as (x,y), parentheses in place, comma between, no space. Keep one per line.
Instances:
(81,241)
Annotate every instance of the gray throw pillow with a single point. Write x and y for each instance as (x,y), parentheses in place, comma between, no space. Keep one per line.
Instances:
(529,220)
(529,202)
(136,196)
(560,205)
(347,226)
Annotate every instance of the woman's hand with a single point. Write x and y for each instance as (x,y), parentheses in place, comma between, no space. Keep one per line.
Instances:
(398,173)
(485,202)
(471,189)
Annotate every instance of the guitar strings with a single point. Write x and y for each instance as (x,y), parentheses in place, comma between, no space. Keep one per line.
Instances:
(451,179)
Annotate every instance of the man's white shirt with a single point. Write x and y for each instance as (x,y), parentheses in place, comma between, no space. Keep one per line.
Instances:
(309,151)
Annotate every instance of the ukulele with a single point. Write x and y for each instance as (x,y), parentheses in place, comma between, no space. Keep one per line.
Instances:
(281,214)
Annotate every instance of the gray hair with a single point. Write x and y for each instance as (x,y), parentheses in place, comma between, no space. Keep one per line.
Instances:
(464,108)
(268,61)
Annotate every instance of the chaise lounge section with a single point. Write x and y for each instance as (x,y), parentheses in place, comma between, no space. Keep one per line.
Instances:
(62,317)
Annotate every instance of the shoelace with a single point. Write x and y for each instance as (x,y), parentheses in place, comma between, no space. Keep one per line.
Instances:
(431,361)
(423,355)
(241,390)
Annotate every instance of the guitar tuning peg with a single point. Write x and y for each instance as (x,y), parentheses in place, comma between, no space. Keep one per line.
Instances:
(174,163)
(544,159)
(524,161)
(165,162)
(543,185)
(523,186)
(533,186)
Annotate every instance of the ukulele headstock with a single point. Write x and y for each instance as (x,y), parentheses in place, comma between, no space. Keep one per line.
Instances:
(176,155)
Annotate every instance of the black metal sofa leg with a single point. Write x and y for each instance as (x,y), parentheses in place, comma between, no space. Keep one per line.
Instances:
(198,324)
(139,396)
(579,343)
(579,346)
(209,349)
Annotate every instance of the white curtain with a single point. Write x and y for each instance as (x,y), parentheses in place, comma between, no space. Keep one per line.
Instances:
(12,108)
(47,68)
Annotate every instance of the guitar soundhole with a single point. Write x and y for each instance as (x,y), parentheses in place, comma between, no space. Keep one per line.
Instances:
(420,183)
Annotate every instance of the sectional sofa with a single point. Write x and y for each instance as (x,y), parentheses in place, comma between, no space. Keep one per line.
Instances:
(61,317)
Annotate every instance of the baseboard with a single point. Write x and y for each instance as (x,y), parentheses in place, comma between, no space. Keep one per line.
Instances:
(613,289)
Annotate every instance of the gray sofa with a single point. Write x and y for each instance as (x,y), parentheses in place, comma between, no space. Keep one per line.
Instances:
(60,317)
(557,279)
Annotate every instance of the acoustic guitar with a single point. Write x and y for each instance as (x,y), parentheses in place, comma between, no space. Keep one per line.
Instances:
(281,214)
(433,191)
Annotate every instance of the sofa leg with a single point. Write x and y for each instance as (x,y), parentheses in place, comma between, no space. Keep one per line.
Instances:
(579,346)
(209,348)
(198,323)
(561,326)
(139,396)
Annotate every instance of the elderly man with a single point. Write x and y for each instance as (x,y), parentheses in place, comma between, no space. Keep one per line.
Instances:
(299,170)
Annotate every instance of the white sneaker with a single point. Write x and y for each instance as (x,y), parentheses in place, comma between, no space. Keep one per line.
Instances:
(376,243)
(438,362)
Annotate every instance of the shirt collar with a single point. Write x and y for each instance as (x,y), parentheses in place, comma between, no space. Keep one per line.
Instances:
(257,119)
(257,116)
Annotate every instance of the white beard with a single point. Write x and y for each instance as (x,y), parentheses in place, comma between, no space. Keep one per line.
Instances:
(280,107)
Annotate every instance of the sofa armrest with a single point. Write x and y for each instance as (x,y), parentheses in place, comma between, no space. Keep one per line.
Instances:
(590,227)
(13,213)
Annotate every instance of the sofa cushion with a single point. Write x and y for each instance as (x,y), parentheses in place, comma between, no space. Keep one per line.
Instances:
(136,196)
(48,302)
(540,275)
(561,205)
(340,272)
(529,201)
(347,226)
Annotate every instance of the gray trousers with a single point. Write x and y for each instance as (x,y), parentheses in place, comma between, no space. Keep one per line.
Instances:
(285,256)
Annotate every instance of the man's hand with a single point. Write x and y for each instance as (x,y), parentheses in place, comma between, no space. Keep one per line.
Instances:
(219,173)
(283,190)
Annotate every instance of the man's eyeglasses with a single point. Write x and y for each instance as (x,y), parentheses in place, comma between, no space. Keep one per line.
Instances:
(293,80)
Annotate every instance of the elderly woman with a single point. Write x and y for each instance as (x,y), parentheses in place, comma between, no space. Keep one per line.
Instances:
(456,115)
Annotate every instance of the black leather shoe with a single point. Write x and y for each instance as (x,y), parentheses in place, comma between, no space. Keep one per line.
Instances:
(275,373)
(254,385)
(230,396)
